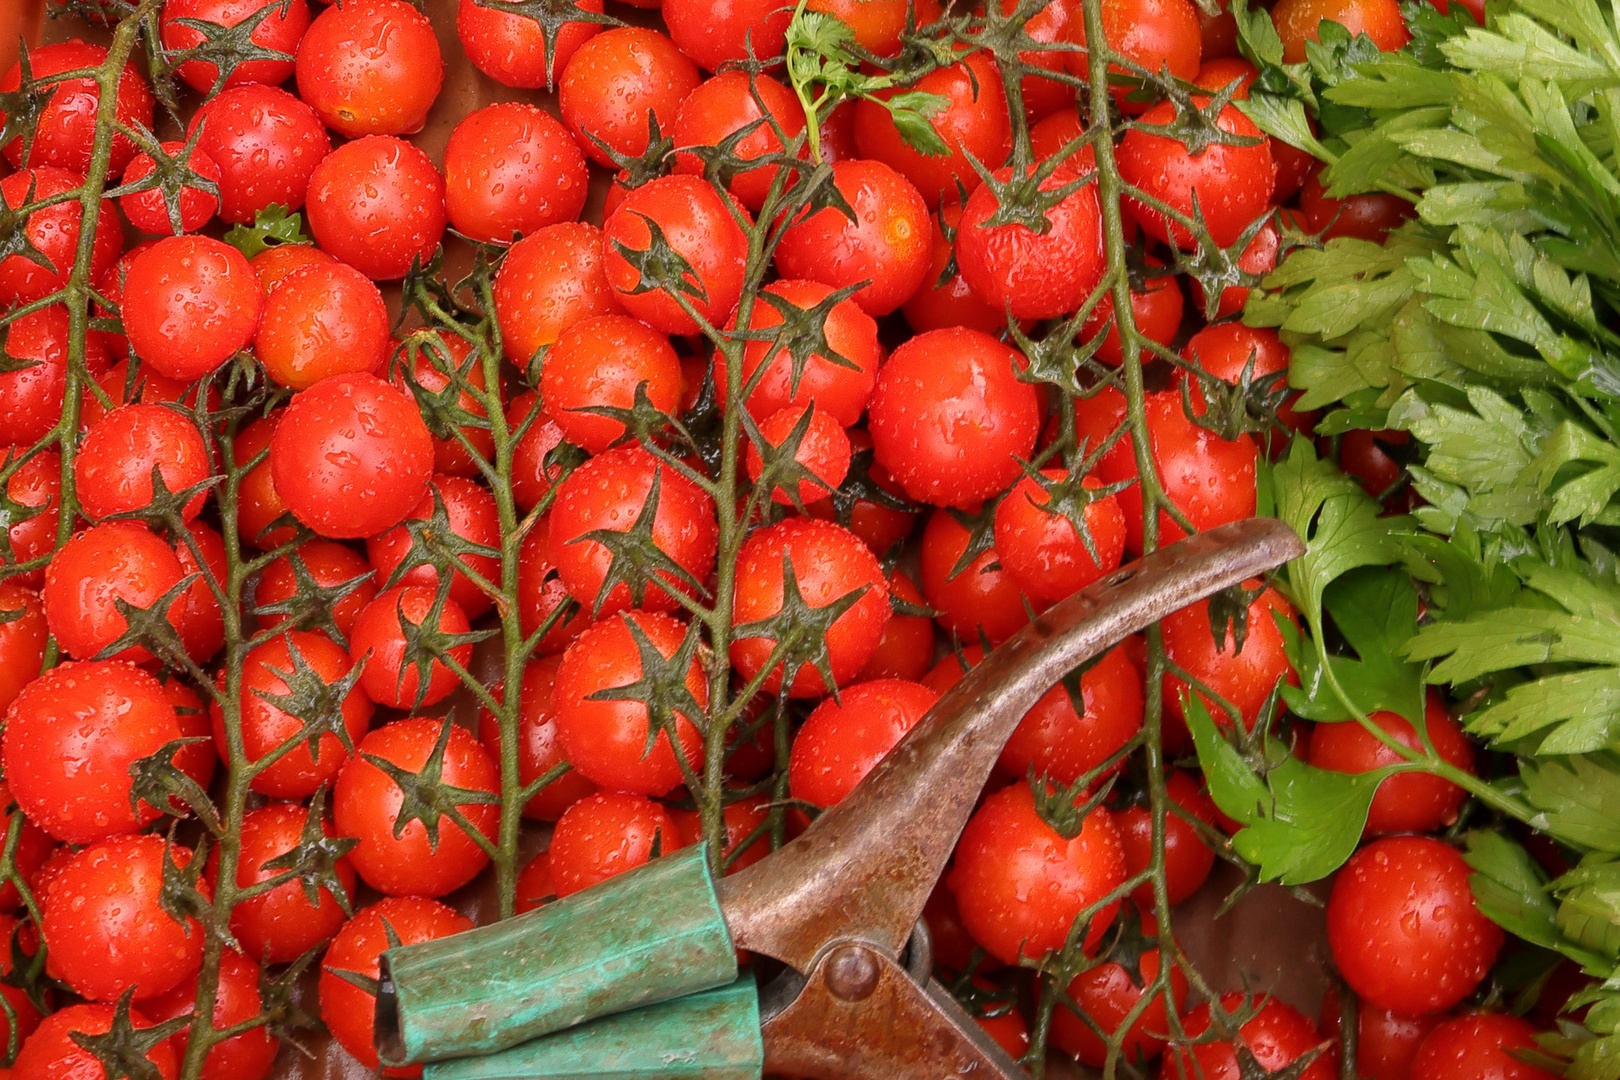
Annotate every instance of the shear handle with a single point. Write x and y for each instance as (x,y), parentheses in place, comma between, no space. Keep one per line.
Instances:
(863,870)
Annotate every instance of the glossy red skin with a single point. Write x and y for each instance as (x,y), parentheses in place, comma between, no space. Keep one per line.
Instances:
(1364,455)
(280,31)
(954,949)
(37,482)
(281,925)
(32,399)
(51,1053)
(743,818)
(725,104)
(879,526)
(607,740)
(841,742)
(129,382)
(1407,802)
(1244,678)
(197,760)
(470,510)
(379,632)
(1035,275)
(106,928)
(1210,479)
(975,122)
(349,1011)
(977,600)
(298,773)
(1157,311)
(608,492)
(1224,350)
(72,778)
(113,473)
(889,243)
(1233,183)
(841,392)
(247,1056)
(829,561)
(906,650)
(1020,886)
(511,49)
(434,358)
(1188,860)
(266,143)
(147,210)
(1386,1042)
(351,456)
(935,306)
(275,264)
(190,302)
(1152,33)
(823,449)
(605,834)
(697,224)
(258,504)
(66,128)
(1056,742)
(202,623)
(539,747)
(512,168)
(614,80)
(54,232)
(1403,927)
(1276,1036)
(22,639)
(599,363)
(1478,1047)
(1217,34)
(534,887)
(319,321)
(370,67)
(541,591)
(377,204)
(1052,24)
(1296,22)
(117,560)
(1368,217)
(1041,548)
(950,417)
(712,33)
(550,280)
(878,23)
(1106,994)
(366,803)
(1259,257)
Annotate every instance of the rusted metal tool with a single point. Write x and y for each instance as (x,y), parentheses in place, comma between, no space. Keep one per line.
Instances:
(839,906)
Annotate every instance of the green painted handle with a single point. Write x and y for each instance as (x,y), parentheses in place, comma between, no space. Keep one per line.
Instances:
(712,1035)
(646,936)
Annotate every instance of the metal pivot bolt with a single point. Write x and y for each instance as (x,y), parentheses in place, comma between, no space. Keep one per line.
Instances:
(852,973)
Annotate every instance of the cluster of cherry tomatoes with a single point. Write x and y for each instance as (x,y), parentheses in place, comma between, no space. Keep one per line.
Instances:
(911,415)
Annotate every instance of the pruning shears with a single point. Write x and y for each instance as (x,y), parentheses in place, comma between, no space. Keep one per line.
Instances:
(638,976)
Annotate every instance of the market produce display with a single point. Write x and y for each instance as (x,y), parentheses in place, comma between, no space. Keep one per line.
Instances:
(391,540)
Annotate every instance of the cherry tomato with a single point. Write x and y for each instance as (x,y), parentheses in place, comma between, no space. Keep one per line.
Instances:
(1187,859)
(1155,34)
(279,31)
(981,597)
(1408,802)
(377,204)
(65,129)
(247,1056)
(1020,884)
(511,48)
(550,280)
(539,747)
(1107,994)
(1368,217)
(118,560)
(434,359)
(725,104)
(605,834)
(712,34)
(1479,1047)
(1034,275)
(1258,258)
(541,592)
(829,563)
(400,856)
(391,677)
(470,511)
(615,82)
(130,382)
(534,887)
(1156,309)
(370,67)
(107,927)
(882,518)
(1227,350)
(1040,546)
(948,301)
(1233,183)
(1403,927)
(35,487)
(270,672)
(612,491)
(201,622)
(950,418)
(33,397)
(878,23)
(887,245)
(603,362)
(1386,1042)
(606,738)
(1366,456)
(842,740)
(1218,34)
(149,212)
(23,635)
(52,1053)
(349,1010)
(351,457)
(511,169)
(1245,677)
(1058,742)
(54,233)
(906,650)
(823,450)
(698,226)
(257,504)
(323,320)
(837,389)
(266,143)
(974,122)
(281,924)
(113,473)
(190,302)
(1277,1035)
(1297,22)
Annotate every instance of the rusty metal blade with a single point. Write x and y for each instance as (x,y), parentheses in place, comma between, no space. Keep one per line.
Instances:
(864,869)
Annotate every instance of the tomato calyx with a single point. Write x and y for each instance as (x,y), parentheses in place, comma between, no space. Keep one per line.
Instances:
(123,1048)
(172,174)
(1234,409)
(551,16)
(313,860)
(663,688)
(311,605)
(157,781)
(1194,125)
(426,796)
(1056,805)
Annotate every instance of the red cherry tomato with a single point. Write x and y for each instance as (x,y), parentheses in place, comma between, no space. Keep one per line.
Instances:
(1063,744)
(878,23)
(377,204)
(615,82)
(512,49)
(266,143)
(1227,350)
(1157,311)
(823,450)
(190,302)
(550,280)
(121,450)
(279,31)
(906,650)
(1040,546)
(842,740)
(541,592)
(470,511)
(605,834)
(118,560)
(725,104)
(1368,216)
(979,598)
(54,232)
(534,887)
(370,67)
(149,212)
(52,1053)
(323,320)
(743,820)
(1278,1035)
(1386,1042)
(974,122)
(539,747)
(1154,34)
(257,504)
(511,169)
(1233,183)
(65,129)
(281,924)
(697,225)
(1297,22)
(948,301)
(1479,1047)
(248,1056)
(1187,859)
(1245,677)
(434,359)
(1408,802)
(838,390)
(390,677)
(600,363)
(23,635)
(1107,994)
(1034,275)
(712,34)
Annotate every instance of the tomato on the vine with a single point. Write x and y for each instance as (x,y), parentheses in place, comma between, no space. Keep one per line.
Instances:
(512,169)
(116,560)
(1107,993)
(1277,1035)
(370,67)
(282,924)
(326,319)
(605,834)
(697,225)
(842,740)
(539,745)
(245,1056)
